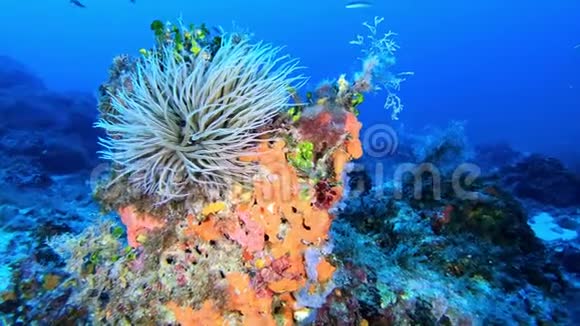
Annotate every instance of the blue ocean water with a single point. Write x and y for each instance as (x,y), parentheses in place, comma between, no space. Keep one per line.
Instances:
(507,72)
(509,69)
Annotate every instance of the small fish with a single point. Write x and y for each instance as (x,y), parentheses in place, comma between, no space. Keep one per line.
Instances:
(77,3)
(358,4)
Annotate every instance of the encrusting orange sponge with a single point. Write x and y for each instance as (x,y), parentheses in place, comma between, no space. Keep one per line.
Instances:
(206,315)
(274,226)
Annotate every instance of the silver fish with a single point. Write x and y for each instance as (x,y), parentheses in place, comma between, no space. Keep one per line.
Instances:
(358,4)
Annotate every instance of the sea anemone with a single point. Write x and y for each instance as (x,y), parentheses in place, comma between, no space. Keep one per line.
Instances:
(180,125)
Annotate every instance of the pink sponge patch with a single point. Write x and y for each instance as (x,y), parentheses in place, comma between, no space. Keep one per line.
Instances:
(137,223)
(250,235)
